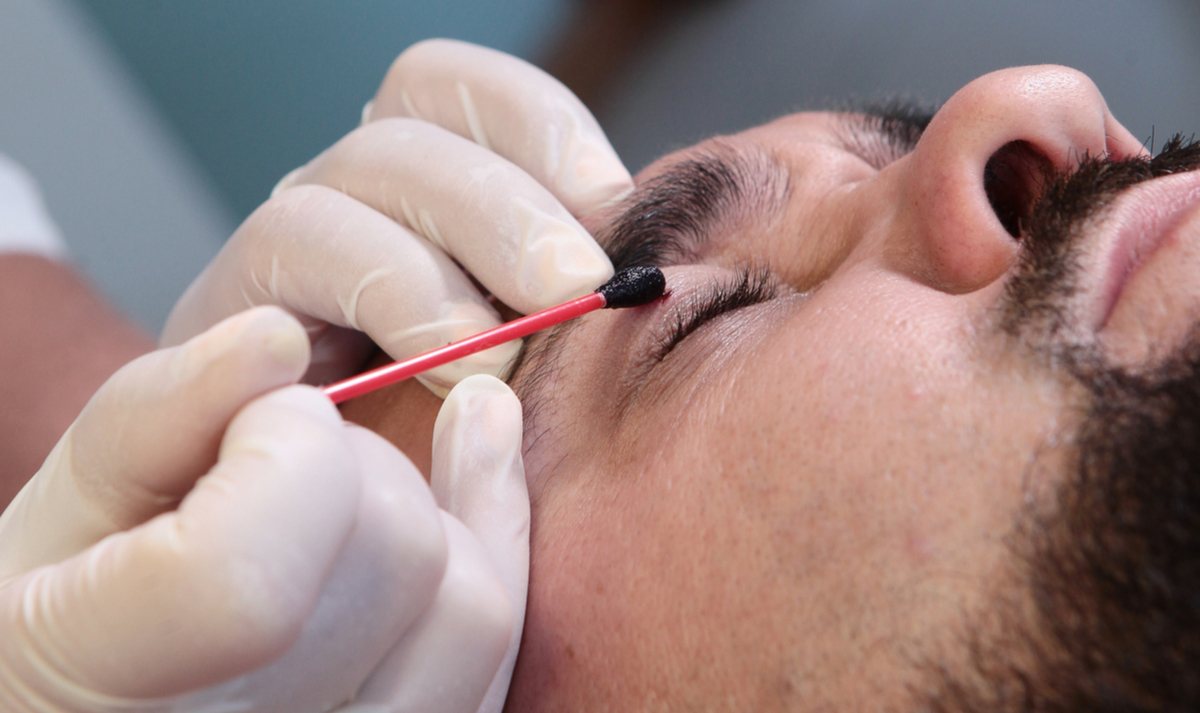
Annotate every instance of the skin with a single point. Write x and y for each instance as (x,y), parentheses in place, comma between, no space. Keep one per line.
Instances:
(806,499)
(60,341)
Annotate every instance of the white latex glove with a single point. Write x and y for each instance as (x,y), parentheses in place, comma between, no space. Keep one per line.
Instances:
(25,226)
(466,155)
(182,550)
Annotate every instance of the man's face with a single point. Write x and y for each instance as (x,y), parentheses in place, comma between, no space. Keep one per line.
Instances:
(798,476)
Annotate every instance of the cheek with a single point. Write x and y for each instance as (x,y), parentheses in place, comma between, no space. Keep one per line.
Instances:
(640,573)
(852,480)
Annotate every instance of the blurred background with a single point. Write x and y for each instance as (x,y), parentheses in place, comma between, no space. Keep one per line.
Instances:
(155,126)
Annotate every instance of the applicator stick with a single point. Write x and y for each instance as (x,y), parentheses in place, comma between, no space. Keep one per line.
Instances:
(632,287)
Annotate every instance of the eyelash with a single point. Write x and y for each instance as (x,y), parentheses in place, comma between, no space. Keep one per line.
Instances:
(751,287)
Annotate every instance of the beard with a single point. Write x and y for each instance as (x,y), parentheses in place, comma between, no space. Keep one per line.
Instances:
(1114,571)
(1054,228)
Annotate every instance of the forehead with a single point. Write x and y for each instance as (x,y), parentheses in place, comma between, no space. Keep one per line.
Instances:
(803,129)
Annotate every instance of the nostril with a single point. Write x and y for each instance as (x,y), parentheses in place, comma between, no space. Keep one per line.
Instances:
(1013,179)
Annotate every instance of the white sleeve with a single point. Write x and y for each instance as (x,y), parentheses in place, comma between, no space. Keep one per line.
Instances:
(25,226)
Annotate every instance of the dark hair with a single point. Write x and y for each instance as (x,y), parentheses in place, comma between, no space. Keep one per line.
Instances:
(1114,571)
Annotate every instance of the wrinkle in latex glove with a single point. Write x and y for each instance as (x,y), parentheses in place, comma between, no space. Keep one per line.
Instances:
(478,432)
(536,254)
(518,237)
(109,472)
(510,107)
(332,259)
(298,541)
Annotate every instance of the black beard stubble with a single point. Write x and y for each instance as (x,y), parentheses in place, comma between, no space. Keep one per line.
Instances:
(1052,233)
(1114,572)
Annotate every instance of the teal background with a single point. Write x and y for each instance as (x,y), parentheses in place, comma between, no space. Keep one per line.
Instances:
(255,88)
(155,126)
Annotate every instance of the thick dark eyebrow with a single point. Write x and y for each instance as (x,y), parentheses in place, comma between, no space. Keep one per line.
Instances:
(882,132)
(671,216)
(666,220)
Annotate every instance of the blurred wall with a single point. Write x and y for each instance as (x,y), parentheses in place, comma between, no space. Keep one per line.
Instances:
(742,62)
(255,88)
(139,216)
(154,126)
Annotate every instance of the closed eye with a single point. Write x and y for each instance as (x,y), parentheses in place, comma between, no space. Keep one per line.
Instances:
(750,287)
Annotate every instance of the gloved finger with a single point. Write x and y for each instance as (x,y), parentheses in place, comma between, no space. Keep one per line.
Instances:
(385,578)
(147,435)
(504,227)
(508,106)
(478,477)
(319,253)
(446,661)
(210,591)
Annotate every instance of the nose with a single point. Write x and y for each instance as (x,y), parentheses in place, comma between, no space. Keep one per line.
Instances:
(978,163)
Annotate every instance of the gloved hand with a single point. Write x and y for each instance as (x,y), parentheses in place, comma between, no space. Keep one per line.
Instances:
(184,550)
(466,154)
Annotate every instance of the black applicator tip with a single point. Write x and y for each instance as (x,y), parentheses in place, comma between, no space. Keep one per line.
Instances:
(633,287)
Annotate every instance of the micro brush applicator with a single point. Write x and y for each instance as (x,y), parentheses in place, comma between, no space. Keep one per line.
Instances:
(632,287)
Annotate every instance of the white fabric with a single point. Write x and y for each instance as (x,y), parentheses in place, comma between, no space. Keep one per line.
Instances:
(25,226)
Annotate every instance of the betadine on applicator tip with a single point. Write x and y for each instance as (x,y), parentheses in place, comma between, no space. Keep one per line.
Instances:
(632,287)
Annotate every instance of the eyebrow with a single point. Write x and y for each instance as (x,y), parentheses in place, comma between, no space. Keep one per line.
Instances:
(669,218)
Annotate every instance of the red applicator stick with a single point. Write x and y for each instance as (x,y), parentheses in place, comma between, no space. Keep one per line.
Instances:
(632,287)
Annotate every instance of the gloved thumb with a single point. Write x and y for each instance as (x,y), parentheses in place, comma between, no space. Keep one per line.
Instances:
(147,435)
(478,477)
